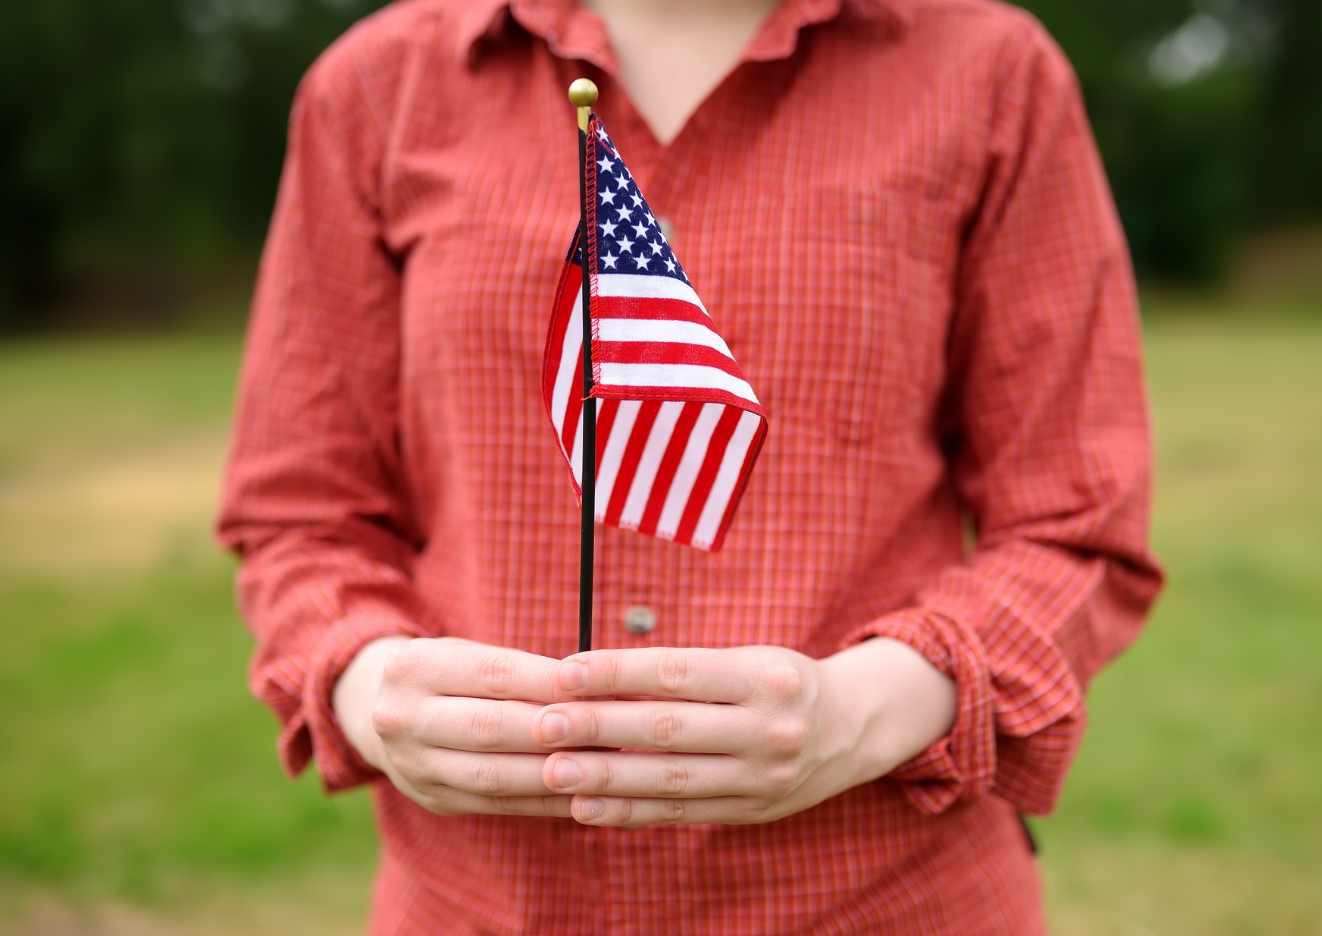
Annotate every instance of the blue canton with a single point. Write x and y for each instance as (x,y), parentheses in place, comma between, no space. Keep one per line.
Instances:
(629,238)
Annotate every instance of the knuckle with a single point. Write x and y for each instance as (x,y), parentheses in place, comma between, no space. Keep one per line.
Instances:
(402,663)
(485,726)
(588,727)
(787,737)
(783,681)
(665,728)
(674,778)
(610,672)
(675,672)
(496,674)
(672,810)
(487,777)
(388,719)
(781,780)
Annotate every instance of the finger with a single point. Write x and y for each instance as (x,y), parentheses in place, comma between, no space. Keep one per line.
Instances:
(483,725)
(482,774)
(636,812)
(457,803)
(448,666)
(691,727)
(697,674)
(681,776)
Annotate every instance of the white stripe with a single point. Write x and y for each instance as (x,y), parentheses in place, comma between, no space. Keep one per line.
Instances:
(721,490)
(690,376)
(570,352)
(621,430)
(687,473)
(633,286)
(576,453)
(662,331)
(657,440)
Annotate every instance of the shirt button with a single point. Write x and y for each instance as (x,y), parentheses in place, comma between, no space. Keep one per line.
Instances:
(667,228)
(639,619)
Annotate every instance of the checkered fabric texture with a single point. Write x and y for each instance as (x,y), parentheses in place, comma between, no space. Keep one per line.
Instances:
(895,214)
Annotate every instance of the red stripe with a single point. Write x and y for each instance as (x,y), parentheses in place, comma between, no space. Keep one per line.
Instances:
(657,352)
(665,472)
(711,465)
(567,293)
(639,307)
(606,410)
(633,454)
(737,494)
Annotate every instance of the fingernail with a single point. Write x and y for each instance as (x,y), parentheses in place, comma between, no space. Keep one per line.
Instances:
(573,676)
(591,808)
(555,727)
(566,774)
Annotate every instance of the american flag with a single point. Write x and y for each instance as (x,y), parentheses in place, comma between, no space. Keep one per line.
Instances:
(678,426)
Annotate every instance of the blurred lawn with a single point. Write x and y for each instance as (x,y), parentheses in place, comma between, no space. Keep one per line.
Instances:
(139,791)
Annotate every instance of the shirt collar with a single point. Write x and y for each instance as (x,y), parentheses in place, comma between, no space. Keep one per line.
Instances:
(575,33)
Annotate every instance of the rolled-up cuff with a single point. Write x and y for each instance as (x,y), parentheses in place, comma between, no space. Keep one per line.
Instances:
(962,765)
(313,731)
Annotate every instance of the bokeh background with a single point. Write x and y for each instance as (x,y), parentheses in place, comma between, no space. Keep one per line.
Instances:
(140,143)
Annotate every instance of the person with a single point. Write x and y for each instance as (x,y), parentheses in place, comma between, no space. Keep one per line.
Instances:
(895,213)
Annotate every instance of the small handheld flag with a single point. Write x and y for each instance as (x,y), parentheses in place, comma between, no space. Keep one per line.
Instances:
(635,371)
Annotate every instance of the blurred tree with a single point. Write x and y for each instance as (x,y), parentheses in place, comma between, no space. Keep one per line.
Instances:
(143,130)
(1174,90)
(1287,166)
(149,132)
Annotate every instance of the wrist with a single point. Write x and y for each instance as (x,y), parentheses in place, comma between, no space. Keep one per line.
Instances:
(354,697)
(892,704)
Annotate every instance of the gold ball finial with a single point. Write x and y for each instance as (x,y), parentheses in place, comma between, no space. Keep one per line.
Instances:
(582,93)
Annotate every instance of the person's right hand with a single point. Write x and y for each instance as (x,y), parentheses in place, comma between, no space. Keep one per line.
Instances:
(449,721)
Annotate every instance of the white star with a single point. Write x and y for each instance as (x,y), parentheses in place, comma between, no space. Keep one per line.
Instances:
(640,229)
(637,199)
(608,261)
(609,228)
(607,197)
(648,215)
(656,248)
(605,163)
(670,265)
(601,135)
(625,212)
(625,244)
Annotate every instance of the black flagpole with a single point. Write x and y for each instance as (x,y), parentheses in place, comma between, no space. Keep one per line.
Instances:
(583,94)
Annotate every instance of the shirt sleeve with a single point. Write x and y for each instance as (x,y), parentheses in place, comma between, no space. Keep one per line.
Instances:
(1047,428)
(313,501)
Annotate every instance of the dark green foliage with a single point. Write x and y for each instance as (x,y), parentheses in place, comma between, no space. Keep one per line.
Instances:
(1188,154)
(146,135)
(143,132)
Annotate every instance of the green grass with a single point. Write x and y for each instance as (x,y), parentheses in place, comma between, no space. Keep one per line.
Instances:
(1195,804)
(136,770)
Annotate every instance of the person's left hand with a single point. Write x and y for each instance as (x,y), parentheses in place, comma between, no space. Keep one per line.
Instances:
(744,735)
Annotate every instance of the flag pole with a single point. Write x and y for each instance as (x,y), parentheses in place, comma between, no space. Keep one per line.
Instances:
(583,94)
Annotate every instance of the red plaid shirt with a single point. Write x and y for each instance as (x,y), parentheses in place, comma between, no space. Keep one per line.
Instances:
(895,213)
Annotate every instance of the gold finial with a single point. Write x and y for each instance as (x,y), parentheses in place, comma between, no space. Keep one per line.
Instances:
(583,93)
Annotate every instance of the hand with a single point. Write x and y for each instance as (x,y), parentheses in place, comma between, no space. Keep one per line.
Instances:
(735,736)
(450,723)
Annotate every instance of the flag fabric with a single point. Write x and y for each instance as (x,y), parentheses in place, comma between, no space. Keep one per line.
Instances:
(678,426)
